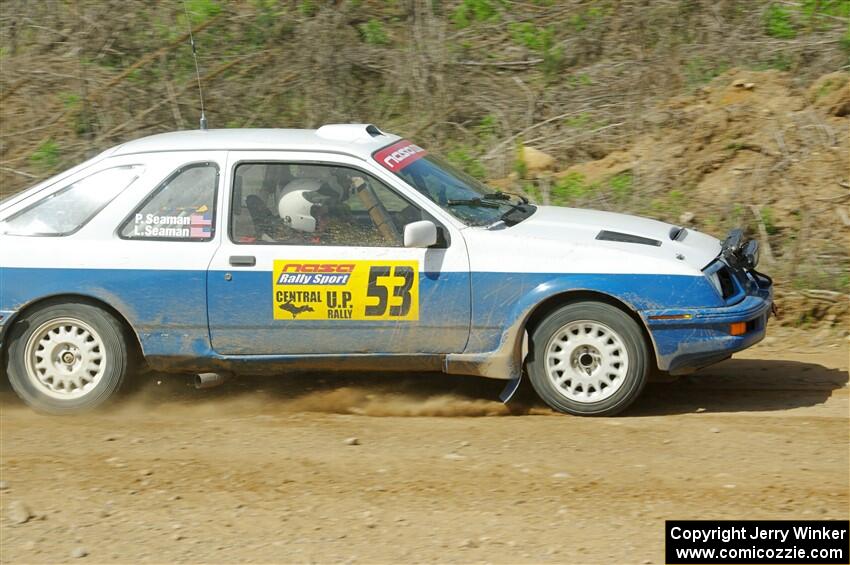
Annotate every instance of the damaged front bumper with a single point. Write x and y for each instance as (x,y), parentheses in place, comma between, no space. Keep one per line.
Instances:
(688,339)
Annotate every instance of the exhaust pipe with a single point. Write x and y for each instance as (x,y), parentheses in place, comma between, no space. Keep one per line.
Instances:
(208,380)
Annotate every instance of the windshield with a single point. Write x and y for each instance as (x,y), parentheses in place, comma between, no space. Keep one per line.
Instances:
(462,195)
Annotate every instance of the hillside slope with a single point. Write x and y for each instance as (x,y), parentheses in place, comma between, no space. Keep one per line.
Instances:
(745,150)
(666,108)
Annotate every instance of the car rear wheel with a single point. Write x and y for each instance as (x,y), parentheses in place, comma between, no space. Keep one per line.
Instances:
(588,359)
(67,357)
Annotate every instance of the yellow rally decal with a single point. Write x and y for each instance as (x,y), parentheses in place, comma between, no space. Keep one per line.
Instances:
(346,290)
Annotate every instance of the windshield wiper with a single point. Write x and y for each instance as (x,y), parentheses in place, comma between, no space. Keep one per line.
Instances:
(499,195)
(490,200)
(473,202)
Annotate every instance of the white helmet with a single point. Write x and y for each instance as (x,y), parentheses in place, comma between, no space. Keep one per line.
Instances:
(297,204)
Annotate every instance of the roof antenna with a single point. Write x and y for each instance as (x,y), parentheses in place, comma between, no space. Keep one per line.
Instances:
(197,68)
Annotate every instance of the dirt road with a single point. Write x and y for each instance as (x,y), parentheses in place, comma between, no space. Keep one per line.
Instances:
(261,470)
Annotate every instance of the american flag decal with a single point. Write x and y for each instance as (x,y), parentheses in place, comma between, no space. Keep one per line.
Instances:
(200,225)
(199,231)
(200,220)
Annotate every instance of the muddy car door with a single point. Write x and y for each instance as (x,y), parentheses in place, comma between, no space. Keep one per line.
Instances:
(315,262)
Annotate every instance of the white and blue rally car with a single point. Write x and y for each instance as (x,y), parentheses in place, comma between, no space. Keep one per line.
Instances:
(223,252)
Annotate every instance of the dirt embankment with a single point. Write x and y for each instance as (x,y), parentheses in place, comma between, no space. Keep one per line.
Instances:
(400,468)
(750,149)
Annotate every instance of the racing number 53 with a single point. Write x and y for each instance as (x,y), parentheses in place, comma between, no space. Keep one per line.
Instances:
(380,291)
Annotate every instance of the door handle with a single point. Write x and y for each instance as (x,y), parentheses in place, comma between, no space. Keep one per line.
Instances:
(243,260)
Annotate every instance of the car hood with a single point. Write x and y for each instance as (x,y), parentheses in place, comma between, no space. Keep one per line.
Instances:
(582,228)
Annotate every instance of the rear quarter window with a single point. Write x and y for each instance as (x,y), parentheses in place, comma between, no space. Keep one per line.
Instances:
(181,208)
(70,208)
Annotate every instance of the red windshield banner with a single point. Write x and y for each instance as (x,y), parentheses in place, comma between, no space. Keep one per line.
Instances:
(399,155)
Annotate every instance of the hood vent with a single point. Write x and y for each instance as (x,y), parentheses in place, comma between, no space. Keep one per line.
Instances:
(677,233)
(606,235)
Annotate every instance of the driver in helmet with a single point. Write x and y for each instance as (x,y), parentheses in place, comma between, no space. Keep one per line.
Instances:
(304,208)
(307,208)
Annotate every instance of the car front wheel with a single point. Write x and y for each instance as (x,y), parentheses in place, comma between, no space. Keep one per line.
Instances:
(588,359)
(66,358)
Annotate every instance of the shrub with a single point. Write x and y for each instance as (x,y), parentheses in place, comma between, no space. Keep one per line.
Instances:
(580,21)
(69,99)
(202,10)
(46,156)
(578,122)
(540,40)
(474,11)
(698,71)
(768,221)
(571,187)
(520,166)
(486,129)
(845,40)
(621,185)
(308,8)
(779,61)
(778,23)
(553,62)
(576,80)
(533,193)
(373,32)
(531,36)
(836,8)
(463,158)
(667,207)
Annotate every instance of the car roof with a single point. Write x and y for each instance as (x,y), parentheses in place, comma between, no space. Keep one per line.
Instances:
(360,140)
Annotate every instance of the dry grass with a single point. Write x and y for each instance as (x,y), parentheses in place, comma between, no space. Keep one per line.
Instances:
(472,79)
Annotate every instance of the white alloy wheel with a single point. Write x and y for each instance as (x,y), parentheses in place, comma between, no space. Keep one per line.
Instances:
(65,358)
(586,361)
(588,358)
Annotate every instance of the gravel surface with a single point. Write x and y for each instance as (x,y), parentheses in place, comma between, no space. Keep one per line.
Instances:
(263,470)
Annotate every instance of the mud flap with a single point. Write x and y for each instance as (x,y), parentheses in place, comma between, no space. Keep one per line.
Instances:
(513,384)
(510,389)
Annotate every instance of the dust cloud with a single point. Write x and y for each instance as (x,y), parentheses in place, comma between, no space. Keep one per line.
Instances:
(375,395)
(366,402)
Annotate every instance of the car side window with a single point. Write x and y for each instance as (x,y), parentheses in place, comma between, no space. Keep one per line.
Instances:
(316,204)
(70,208)
(182,208)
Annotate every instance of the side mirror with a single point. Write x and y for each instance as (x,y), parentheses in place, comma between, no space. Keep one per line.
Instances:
(420,234)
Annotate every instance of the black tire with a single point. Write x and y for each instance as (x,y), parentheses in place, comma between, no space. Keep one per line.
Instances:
(630,337)
(114,354)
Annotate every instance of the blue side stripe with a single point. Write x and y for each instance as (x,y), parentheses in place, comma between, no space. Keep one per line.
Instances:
(168,308)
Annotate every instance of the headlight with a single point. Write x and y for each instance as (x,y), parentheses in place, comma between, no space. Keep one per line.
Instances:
(714,279)
(720,276)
